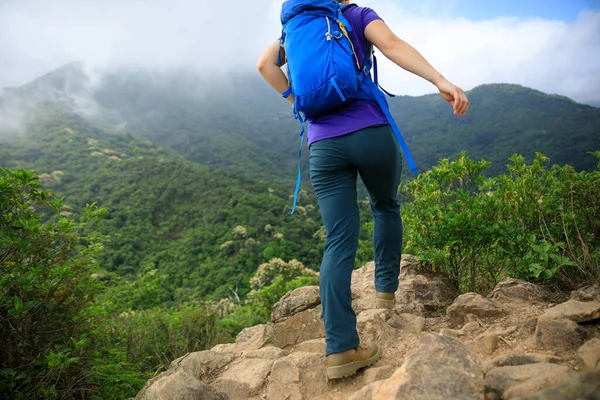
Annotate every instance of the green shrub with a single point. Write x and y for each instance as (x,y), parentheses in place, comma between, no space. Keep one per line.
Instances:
(532,223)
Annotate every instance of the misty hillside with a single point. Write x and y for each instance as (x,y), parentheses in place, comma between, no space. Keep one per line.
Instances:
(238,124)
(165,212)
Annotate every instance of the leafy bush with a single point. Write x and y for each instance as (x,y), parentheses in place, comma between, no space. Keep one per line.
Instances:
(532,223)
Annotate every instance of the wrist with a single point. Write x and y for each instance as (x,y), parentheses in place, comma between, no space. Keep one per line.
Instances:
(437,79)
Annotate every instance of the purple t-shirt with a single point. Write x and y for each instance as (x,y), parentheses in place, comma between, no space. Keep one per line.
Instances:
(357,114)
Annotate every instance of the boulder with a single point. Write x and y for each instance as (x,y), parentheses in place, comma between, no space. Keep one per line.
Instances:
(576,311)
(203,365)
(427,295)
(583,386)
(441,367)
(514,359)
(243,378)
(543,381)
(473,303)
(420,293)
(588,293)
(299,328)
(248,339)
(296,301)
(377,374)
(409,265)
(515,289)
(500,379)
(468,329)
(178,384)
(408,323)
(558,334)
(589,354)
(297,376)
(311,346)
(373,327)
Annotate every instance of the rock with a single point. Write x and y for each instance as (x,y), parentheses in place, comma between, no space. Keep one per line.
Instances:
(487,342)
(501,378)
(296,301)
(424,294)
(312,346)
(576,311)
(233,389)
(266,353)
(558,334)
(588,293)
(409,265)
(514,359)
(298,328)
(415,293)
(363,288)
(537,383)
(248,339)
(530,325)
(484,344)
(441,367)
(408,323)
(249,376)
(178,384)
(297,376)
(373,327)
(589,354)
(473,303)
(468,329)
(516,289)
(583,386)
(376,374)
(203,365)
(248,333)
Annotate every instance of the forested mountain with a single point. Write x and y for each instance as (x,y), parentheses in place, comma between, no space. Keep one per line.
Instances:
(237,123)
(207,230)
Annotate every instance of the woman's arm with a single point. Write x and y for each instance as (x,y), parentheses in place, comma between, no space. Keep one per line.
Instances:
(269,67)
(406,57)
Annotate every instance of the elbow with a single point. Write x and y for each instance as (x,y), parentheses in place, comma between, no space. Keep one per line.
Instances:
(390,44)
(260,66)
(263,66)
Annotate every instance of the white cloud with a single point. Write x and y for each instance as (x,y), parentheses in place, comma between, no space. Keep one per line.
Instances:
(552,56)
(37,36)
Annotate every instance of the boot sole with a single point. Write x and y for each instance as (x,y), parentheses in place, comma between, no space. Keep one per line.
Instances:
(389,304)
(346,370)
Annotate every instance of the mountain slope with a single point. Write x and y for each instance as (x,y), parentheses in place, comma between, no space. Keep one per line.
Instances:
(239,124)
(205,229)
(243,119)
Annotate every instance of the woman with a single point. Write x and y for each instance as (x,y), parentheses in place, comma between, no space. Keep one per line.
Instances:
(351,141)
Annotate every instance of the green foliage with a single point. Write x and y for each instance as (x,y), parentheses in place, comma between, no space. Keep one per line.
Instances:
(168,214)
(47,264)
(532,223)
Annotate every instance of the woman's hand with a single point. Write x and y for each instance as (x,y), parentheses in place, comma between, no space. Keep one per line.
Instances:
(453,95)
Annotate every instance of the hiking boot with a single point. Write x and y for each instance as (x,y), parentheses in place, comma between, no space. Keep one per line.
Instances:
(340,365)
(385,300)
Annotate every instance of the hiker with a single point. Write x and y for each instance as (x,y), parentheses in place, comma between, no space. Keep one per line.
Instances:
(354,139)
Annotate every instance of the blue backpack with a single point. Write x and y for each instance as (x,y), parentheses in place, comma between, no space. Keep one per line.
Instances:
(323,70)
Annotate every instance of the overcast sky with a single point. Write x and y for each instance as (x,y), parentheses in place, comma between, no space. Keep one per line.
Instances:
(550,45)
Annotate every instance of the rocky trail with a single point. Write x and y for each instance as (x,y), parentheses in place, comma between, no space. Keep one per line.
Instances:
(512,344)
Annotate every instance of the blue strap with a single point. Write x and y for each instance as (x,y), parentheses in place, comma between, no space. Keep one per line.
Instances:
(337,89)
(376,77)
(287,93)
(279,50)
(299,179)
(386,110)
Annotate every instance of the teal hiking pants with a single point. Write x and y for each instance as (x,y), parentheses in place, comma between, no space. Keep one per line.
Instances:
(374,154)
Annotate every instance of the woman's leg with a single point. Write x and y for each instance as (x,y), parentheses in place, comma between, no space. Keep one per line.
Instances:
(376,153)
(334,180)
